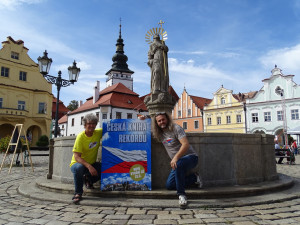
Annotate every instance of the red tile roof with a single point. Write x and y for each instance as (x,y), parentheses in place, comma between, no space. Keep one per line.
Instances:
(171,92)
(117,96)
(62,109)
(117,88)
(243,96)
(200,102)
(64,119)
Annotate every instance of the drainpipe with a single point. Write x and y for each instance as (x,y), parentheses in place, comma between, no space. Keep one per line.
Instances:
(245,112)
(202,114)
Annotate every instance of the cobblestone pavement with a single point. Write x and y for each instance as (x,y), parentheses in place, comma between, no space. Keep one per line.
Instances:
(17,209)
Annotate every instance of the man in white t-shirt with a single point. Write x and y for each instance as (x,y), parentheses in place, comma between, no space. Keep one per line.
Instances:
(183,156)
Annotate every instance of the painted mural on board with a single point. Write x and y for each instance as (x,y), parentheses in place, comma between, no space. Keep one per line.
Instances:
(126,155)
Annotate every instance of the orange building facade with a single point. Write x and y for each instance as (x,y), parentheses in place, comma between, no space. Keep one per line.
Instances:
(188,112)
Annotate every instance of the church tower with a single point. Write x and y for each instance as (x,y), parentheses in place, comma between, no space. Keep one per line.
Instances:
(119,72)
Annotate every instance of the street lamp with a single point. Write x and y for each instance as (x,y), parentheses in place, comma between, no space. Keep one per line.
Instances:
(280,92)
(44,65)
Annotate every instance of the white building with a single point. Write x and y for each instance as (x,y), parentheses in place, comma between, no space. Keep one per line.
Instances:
(114,102)
(275,107)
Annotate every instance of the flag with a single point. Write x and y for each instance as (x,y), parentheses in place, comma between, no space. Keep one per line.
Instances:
(120,161)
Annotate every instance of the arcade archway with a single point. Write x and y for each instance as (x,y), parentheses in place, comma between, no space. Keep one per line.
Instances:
(33,133)
(6,130)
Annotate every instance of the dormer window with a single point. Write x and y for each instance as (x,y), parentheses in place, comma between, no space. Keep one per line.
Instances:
(223,101)
(129,102)
(14,55)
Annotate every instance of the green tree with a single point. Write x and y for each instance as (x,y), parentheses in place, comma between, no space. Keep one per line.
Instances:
(73,105)
(43,141)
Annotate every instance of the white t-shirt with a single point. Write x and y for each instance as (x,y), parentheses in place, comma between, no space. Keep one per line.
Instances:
(171,141)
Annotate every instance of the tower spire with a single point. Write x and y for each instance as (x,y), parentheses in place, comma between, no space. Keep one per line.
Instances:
(120,32)
(120,59)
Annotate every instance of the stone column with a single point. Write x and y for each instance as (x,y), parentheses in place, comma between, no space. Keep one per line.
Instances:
(50,165)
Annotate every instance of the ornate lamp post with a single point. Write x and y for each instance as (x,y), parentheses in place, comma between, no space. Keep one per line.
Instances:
(44,65)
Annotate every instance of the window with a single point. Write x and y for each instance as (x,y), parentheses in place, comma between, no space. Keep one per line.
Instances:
(21,105)
(97,115)
(219,121)
(228,119)
(208,121)
(189,112)
(104,116)
(179,113)
(73,121)
(184,125)
(14,55)
(81,120)
(129,115)
(267,116)
(1,102)
(254,117)
(279,115)
(118,115)
(223,101)
(23,76)
(42,108)
(196,124)
(238,118)
(295,114)
(4,71)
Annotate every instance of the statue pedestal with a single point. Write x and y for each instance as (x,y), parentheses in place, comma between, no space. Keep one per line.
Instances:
(160,102)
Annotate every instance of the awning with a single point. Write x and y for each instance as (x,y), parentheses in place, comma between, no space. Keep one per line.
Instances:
(295,130)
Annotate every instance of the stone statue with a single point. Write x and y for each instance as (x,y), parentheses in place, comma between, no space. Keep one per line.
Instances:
(158,62)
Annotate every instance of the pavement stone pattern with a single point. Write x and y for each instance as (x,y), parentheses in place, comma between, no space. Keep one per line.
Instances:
(18,209)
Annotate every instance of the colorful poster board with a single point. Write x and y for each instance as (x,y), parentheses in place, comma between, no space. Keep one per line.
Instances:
(126,155)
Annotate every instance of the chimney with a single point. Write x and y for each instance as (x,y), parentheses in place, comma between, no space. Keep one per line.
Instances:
(80,103)
(96,92)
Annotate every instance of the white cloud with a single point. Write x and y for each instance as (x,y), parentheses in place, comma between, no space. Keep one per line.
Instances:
(105,137)
(204,80)
(191,70)
(81,64)
(227,54)
(285,57)
(188,53)
(12,4)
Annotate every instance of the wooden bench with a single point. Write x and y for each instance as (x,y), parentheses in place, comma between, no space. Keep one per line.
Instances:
(283,151)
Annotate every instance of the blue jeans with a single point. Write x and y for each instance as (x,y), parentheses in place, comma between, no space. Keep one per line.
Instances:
(178,178)
(79,170)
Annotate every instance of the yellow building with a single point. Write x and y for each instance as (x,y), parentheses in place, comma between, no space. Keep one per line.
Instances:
(25,96)
(225,114)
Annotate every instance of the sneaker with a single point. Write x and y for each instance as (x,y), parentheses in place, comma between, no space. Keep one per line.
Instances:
(199,181)
(182,201)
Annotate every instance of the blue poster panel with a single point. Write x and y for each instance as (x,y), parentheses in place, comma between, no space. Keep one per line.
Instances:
(126,155)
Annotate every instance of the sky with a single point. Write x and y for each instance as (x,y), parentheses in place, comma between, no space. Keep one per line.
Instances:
(234,43)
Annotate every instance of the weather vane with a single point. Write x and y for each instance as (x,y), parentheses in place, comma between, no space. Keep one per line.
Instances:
(159,31)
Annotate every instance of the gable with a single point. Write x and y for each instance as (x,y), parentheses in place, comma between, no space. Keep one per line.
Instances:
(10,46)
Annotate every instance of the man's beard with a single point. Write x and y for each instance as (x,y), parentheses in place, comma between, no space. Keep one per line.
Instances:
(163,126)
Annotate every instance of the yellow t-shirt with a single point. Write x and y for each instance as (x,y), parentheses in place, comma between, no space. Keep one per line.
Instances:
(87,146)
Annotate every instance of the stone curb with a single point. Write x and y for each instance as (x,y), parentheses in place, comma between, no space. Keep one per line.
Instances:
(63,193)
(284,182)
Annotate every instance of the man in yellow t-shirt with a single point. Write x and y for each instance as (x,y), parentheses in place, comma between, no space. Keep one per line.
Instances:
(83,165)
